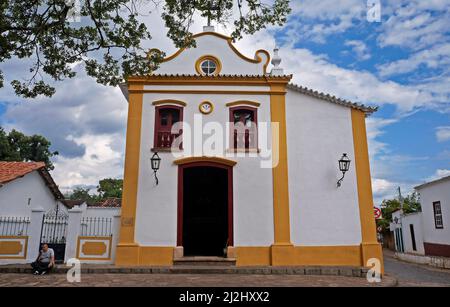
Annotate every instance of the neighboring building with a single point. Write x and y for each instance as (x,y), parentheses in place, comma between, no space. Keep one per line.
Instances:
(24,186)
(435,202)
(228,201)
(408,232)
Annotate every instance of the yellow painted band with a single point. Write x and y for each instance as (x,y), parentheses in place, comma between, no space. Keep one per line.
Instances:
(280,171)
(243,102)
(219,160)
(169,101)
(131,169)
(369,245)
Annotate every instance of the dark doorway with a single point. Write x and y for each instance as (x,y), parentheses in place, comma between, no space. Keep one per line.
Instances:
(205,210)
(413,236)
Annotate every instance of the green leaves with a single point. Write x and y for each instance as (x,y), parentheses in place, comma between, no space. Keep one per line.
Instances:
(106,35)
(16,146)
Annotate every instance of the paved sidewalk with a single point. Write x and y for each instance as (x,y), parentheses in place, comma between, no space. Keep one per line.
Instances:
(188,280)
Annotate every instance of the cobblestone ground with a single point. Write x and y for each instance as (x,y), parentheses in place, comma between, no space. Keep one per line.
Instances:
(415,275)
(186,280)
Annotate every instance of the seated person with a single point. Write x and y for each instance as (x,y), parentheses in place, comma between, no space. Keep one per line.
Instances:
(45,261)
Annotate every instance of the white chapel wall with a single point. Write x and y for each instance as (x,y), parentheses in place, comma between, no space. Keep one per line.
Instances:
(232,64)
(318,133)
(156,216)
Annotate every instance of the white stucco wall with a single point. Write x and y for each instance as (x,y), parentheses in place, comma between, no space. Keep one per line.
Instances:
(15,194)
(439,191)
(414,219)
(318,133)
(184,63)
(156,217)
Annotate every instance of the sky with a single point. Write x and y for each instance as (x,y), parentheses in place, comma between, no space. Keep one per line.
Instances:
(399,62)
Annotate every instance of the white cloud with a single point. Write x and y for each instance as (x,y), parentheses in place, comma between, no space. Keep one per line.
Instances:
(443,133)
(359,48)
(100,160)
(415,24)
(436,57)
(439,173)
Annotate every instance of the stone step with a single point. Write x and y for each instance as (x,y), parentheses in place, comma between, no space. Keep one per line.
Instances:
(199,269)
(204,261)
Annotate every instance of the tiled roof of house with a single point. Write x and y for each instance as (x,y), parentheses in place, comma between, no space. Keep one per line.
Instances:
(10,171)
(110,202)
(13,170)
(70,203)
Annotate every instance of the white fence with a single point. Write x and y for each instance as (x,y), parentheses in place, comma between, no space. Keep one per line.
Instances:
(91,239)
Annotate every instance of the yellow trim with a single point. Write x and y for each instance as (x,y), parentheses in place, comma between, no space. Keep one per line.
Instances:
(96,244)
(212,92)
(280,171)
(203,58)
(135,255)
(205,159)
(5,247)
(256,60)
(155,255)
(131,169)
(369,246)
(169,102)
(211,109)
(299,256)
(237,80)
(243,102)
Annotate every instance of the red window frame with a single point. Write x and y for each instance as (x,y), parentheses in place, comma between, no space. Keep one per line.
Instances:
(248,133)
(163,136)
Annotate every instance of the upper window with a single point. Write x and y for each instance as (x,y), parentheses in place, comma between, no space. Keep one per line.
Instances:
(165,118)
(244,132)
(438,215)
(208,66)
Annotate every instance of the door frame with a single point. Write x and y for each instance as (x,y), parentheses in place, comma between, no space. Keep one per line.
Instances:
(181,169)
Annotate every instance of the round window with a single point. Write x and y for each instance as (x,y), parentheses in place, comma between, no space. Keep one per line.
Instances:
(208,67)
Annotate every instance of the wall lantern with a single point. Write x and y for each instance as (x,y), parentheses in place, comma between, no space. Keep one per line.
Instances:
(156,161)
(344,165)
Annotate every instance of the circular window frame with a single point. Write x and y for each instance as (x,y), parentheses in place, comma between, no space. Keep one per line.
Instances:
(211,105)
(198,65)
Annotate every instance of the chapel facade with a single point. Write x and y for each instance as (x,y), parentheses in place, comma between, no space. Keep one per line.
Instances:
(248,165)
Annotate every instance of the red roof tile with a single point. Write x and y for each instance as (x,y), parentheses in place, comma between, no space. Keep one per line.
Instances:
(13,170)
(10,171)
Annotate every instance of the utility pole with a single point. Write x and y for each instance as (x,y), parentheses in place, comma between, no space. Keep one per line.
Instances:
(400,198)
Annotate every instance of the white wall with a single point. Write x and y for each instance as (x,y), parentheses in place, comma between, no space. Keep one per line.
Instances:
(156,217)
(184,63)
(318,133)
(416,220)
(439,191)
(15,194)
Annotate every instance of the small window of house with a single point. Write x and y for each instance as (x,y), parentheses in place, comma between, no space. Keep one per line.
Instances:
(438,215)
(244,131)
(165,118)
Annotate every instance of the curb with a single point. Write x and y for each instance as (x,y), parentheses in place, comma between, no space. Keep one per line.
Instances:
(325,271)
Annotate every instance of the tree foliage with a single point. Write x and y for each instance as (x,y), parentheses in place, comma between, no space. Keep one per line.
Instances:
(107,188)
(16,146)
(410,204)
(110,187)
(106,35)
